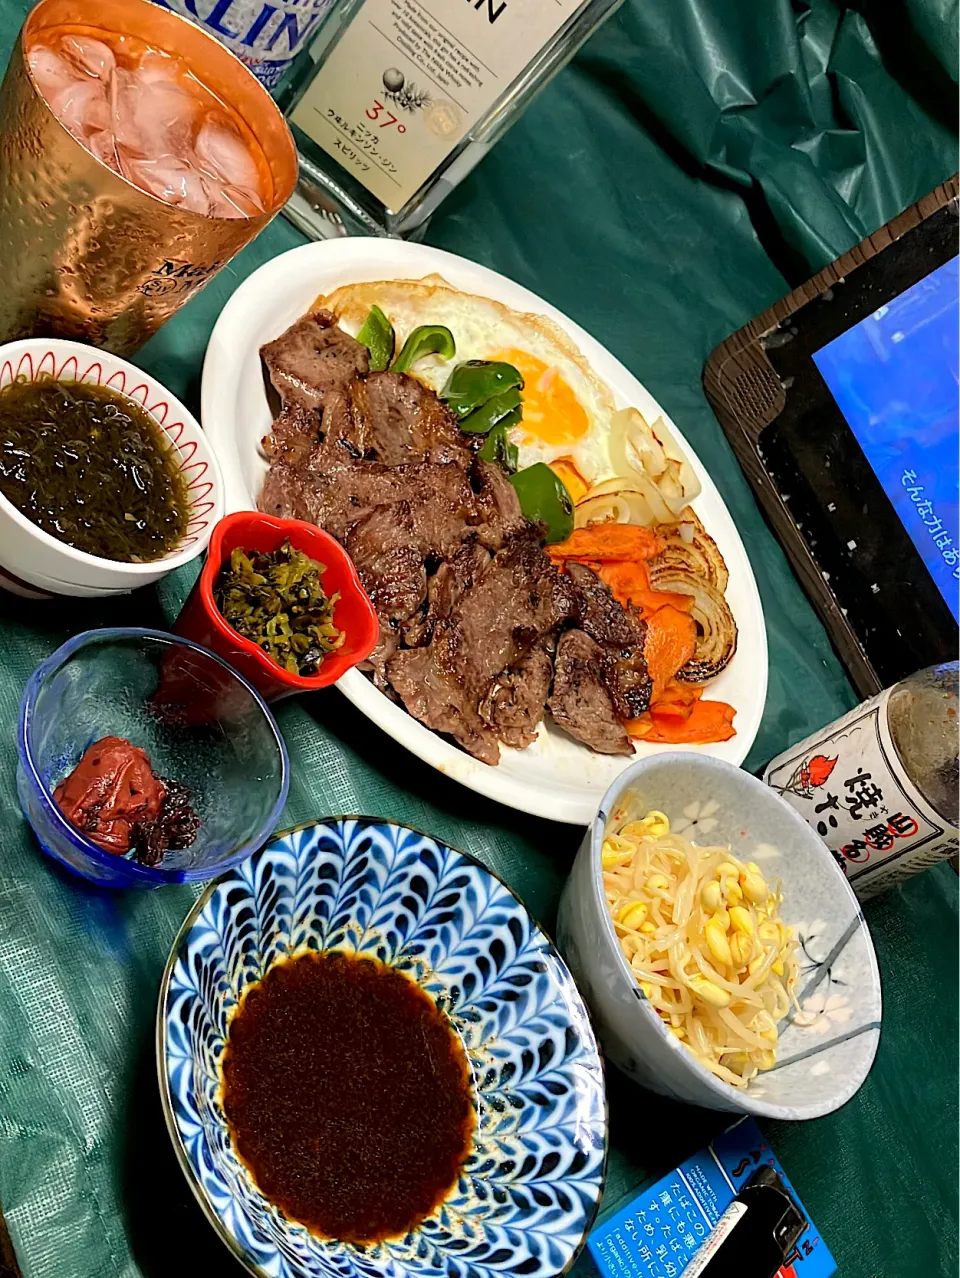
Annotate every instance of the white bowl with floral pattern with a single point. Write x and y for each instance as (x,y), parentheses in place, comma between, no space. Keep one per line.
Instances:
(825,1049)
(34,563)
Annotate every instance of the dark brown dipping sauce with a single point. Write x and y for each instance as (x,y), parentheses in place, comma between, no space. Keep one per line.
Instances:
(347,1093)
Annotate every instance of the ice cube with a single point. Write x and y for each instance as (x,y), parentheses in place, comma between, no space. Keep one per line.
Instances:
(91,56)
(232,201)
(223,154)
(52,72)
(82,107)
(154,65)
(78,100)
(154,116)
(169,179)
(104,146)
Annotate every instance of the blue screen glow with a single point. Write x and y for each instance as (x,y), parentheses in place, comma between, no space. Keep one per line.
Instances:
(895,378)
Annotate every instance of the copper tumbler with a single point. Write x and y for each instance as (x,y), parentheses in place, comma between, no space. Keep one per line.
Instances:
(86,254)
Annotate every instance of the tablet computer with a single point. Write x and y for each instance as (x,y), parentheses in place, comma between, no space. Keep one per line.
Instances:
(841,402)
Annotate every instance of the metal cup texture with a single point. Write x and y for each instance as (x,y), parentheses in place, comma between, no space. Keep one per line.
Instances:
(87,255)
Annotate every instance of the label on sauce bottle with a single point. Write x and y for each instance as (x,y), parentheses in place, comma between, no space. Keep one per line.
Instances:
(409,79)
(848,783)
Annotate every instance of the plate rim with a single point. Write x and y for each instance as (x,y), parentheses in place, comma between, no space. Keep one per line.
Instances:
(534,796)
(160,1032)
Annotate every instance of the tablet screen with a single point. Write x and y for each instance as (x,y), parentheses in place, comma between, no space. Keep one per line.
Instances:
(894,376)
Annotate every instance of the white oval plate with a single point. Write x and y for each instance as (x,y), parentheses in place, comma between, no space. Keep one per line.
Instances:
(556,777)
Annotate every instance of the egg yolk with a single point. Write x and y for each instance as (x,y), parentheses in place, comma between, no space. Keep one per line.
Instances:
(551,411)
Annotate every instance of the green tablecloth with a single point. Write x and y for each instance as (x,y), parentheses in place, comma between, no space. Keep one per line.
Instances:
(696,159)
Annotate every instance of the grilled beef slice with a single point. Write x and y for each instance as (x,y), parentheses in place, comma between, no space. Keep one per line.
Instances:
(601,616)
(313,357)
(390,566)
(295,432)
(336,491)
(286,493)
(444,589)
(514,703)
(621,633)
(398,420)
(519,599)
(384,550)
(580,702)
(499,513)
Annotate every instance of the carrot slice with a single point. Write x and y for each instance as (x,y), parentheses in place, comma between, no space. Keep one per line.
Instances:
(675,702)
(670,643)
(629,581)
(670,712)
(651,600)
(708,721)
(608,541)
(677,693)
(625,578)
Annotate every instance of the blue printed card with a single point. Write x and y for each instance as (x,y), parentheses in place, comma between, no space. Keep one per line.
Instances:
(656,1234)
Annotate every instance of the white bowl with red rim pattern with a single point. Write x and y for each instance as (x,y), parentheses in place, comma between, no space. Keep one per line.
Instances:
(32,562)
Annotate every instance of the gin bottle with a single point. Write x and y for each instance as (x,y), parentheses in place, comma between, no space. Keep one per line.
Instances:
(880,785)
(396,101)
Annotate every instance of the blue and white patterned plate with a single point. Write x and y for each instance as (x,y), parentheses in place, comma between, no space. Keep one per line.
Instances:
(530,1187)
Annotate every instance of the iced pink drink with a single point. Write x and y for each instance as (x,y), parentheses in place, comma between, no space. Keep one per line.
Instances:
(143,113)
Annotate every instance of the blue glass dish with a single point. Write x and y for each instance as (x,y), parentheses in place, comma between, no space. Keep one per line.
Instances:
(200,723)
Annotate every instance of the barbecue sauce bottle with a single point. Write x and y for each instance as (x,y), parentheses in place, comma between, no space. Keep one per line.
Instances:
(880,785)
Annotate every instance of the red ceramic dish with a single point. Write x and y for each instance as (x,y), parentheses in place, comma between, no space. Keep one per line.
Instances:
(201,620)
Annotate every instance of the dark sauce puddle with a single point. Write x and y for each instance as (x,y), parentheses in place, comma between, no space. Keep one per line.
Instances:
(347,1094)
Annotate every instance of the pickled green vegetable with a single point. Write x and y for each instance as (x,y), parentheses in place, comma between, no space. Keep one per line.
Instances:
(277,601)
(92,468)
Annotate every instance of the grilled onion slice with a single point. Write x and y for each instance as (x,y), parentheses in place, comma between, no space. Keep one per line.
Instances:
(716,628)
(620,504)
(692,550)
(639,449)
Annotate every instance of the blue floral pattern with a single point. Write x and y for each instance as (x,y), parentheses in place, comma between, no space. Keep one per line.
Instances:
(531,1185)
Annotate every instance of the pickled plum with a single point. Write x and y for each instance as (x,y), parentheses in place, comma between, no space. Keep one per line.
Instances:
(146,116)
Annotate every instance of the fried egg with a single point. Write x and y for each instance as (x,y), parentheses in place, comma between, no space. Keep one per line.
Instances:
(566,409)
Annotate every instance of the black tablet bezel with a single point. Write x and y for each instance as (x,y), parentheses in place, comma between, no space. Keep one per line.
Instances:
(810,453)
(876,597)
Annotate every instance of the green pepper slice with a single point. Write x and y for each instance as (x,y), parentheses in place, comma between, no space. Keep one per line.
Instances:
(428,339)
(497,447)
(544,500)
(378,337)
(474,382)
(483,419)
